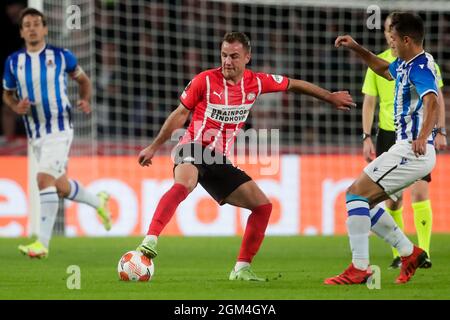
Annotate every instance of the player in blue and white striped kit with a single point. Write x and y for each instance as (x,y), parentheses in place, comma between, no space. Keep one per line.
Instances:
(412,156)
(35,86)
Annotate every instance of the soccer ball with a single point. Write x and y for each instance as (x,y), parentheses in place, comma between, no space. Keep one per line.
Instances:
(134,266)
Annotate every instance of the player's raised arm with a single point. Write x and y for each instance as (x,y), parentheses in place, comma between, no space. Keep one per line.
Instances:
(378,65)
(175,121)
(341,99)
(431,109)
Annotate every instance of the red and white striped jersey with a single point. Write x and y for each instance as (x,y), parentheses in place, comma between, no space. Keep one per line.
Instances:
(220,109)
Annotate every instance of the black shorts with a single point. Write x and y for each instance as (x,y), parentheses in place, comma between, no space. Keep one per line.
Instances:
(216,174)
(385,140)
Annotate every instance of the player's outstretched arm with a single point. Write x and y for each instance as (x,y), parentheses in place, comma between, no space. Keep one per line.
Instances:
(341,99)
(431,109)
(175,121)
(378,65)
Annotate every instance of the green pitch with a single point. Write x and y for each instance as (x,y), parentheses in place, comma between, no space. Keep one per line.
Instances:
(198,268)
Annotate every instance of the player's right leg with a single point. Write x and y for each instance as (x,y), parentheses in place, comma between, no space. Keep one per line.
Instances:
(358,199)
(186,177)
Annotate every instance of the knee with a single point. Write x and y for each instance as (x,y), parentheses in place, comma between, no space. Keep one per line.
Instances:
(265,206)
(61,193)
(45,181)
(394,205)
(189,185)
(418,195)
(353,189)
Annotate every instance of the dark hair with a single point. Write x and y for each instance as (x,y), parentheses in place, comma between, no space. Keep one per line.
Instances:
(241,37)
(408,24)
(31,12)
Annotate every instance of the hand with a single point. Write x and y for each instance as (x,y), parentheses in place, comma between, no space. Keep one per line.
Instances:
(419,147)
(342,100)
(22,106)
(84,106)
(368,150)
(345,41)
(146,155)
(440,142)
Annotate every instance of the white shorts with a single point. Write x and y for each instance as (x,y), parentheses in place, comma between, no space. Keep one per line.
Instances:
(398,168)
(52,152)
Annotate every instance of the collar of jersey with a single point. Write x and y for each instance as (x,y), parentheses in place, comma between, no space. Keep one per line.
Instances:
(423,51)
(36,53)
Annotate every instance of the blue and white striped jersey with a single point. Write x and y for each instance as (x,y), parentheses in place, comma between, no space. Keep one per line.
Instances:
(42,77)
(413,80)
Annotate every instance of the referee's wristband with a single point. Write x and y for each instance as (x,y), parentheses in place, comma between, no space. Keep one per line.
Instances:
(365,136)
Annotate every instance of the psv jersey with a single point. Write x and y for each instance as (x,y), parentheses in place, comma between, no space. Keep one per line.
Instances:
(220,109)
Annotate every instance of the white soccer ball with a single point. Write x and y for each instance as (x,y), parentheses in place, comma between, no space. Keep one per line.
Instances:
(134,266)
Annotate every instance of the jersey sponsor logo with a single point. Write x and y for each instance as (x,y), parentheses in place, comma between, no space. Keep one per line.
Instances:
(251,96)
(277,78)
(228,114)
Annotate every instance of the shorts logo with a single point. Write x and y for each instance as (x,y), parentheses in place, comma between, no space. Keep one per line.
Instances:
(277,78)
(375,169)
(404,161)
(251,96)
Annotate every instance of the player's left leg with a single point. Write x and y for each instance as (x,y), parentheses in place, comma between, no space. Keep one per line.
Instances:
(412,257)
(250,196)
(423,215)
(75,191)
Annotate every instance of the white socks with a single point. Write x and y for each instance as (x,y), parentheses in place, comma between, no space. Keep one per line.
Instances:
(240,264)
(358,232)
(384,226)
(358,227)
(49,209)
(150,237)
(79,194)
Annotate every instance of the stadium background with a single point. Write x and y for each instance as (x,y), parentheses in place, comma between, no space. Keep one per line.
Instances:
(141,54)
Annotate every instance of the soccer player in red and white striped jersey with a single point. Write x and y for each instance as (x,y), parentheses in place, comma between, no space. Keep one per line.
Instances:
(220,101)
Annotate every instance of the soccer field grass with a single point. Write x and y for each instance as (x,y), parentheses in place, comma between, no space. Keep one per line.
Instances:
(198,267)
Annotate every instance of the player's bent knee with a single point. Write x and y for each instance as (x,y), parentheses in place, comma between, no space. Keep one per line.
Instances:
(45,180)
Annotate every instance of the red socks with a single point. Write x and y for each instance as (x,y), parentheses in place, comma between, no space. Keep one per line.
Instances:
(166,208)
(254,232)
